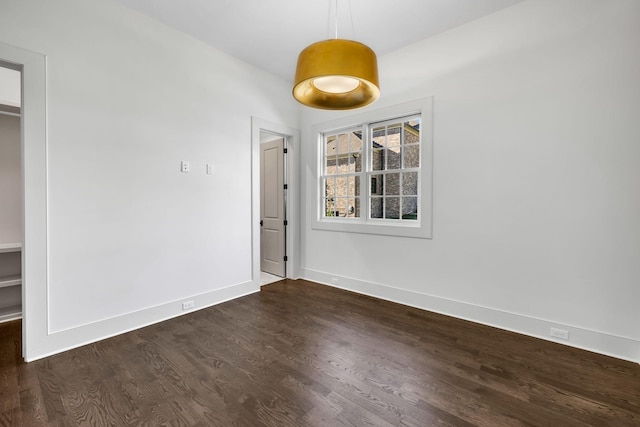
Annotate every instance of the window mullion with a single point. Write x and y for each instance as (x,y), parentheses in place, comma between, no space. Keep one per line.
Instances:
(323,177)
(366,167)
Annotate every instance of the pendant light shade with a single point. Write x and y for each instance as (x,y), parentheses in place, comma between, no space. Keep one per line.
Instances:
(336,74)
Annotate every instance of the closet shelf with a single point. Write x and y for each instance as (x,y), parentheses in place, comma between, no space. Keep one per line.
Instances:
(10,313)
(10,247)
(14,280)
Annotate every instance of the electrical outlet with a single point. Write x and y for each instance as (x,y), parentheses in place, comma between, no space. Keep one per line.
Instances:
(187,305)
(185,166)
(210,169)
(335,281)
(560,333)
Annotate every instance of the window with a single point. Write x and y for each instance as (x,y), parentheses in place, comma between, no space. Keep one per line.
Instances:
(374,172)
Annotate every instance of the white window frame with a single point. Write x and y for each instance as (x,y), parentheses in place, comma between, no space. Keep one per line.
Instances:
(420,228)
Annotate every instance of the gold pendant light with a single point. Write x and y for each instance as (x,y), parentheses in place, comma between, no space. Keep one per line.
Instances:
(336,74)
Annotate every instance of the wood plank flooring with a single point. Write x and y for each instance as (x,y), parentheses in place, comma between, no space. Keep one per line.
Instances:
(303,354)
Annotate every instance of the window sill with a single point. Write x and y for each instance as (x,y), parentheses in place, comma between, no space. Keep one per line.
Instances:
(413,229)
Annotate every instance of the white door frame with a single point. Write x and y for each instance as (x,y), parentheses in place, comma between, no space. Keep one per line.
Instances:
(33,135)
(274,263)
(292,178)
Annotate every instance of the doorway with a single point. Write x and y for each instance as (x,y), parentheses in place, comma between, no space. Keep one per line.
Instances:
(10,194)
(263,131)
(32,67)
(273,212)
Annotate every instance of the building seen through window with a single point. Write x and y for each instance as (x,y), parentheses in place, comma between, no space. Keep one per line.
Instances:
(373,169)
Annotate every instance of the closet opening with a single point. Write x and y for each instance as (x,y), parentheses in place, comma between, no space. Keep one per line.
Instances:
(11,197)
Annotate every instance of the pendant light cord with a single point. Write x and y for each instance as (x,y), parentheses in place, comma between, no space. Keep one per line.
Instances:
(336,18)
(353,28)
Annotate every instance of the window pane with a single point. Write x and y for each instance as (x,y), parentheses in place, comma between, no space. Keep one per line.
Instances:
(356,186)
(394,133)
(377,159)
(342,204)
(357,206)
(355,148)
(330,147)
(355,142)
(393,158)
(411,156)
(378,137)
(352,212)
(410,183)
(355,162)
(392,207)
(331,165)
(341,187)
(329,187)
(377,207)
(351,166)
(392,184)
(409,208)
(329,207)
(377,185)
(412,131)
(342,143)
(351,186)
(343,163)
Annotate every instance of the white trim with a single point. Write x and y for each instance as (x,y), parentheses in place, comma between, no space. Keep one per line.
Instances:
(621,347)
(422,228)
(34,180)
(78,336)
(292,178)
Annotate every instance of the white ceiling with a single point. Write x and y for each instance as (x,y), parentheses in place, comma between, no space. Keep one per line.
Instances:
(271,33)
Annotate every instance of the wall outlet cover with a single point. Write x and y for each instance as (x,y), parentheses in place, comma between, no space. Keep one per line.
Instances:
(559,333)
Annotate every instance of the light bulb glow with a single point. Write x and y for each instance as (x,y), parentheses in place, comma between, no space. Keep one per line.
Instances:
(336,84)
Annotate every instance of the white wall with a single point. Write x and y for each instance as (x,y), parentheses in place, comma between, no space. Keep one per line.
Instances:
(536,200)
(10,180)
(130,237)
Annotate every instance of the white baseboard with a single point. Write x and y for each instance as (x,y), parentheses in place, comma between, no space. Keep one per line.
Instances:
(59,341)
(598,342)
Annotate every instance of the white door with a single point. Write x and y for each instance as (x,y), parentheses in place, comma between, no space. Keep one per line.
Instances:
(272,208)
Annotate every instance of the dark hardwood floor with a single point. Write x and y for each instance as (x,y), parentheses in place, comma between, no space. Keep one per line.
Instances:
(303,354)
